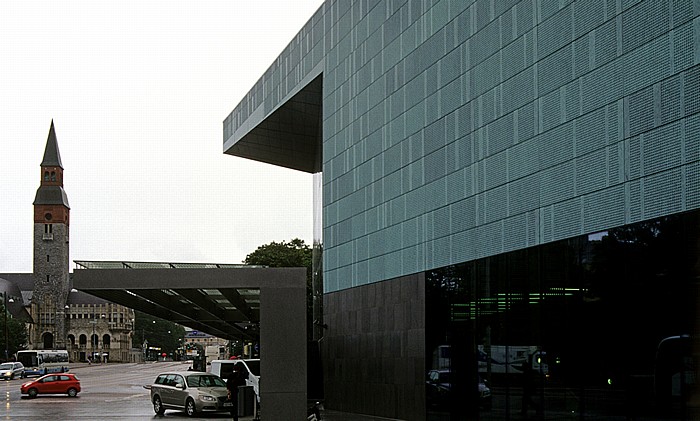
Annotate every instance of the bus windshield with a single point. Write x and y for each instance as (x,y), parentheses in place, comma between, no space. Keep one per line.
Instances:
(27,358)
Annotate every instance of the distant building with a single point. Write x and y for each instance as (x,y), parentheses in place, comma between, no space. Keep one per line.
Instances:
(63,318)
(212,346)
(204,339)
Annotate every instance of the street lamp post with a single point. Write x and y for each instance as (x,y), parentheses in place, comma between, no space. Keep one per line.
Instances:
(4,295)
(66,314)
(7,336)
(154,322)
(144,344)
(92,338)
(66,325)
(102,346)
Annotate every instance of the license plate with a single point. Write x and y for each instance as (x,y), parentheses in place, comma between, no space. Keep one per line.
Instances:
(227,404)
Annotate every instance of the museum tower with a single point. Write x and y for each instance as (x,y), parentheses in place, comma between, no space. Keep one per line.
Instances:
(51,260)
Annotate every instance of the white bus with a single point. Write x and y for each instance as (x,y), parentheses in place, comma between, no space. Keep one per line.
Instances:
(43,361)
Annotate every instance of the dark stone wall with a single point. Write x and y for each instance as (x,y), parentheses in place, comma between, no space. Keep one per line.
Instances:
(374,349)
(50,296)
(57,266)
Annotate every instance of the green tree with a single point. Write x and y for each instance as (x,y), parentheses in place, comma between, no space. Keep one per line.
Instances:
(16,334)
(295,253)
(159,333)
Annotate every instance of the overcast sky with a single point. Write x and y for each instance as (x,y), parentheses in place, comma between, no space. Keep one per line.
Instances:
(138,90)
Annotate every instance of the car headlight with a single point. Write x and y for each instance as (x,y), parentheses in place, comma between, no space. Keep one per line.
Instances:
(207,398)
(7,373)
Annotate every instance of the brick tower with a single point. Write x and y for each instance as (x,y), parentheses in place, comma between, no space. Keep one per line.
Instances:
(51,282)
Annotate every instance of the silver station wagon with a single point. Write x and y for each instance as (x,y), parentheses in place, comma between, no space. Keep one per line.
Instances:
(192,392)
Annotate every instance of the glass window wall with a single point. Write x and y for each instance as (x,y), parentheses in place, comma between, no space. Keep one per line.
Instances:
(601,326)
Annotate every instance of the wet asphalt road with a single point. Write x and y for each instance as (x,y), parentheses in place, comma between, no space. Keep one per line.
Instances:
(109,392)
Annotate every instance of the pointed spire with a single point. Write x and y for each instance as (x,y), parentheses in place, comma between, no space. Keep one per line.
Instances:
(52,158)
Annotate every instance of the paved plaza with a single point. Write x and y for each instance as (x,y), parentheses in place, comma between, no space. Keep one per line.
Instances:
(112,392)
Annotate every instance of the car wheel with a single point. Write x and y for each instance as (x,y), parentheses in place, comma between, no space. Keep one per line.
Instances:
(12,376)
(32,393)
(190,409)
(72,392)
(158,405)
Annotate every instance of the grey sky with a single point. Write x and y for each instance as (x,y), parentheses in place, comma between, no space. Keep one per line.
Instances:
(138,91)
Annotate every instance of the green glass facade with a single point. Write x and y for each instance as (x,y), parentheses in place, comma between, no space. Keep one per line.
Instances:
(600,326)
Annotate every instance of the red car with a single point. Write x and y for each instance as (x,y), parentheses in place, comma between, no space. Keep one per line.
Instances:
(57,383)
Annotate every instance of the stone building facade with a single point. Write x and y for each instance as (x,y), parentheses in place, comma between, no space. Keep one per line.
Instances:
(99,329)
(64,318)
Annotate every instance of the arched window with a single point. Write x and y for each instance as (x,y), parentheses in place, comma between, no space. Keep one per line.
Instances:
(53,175)
(71,340)
(47,339)
(106,341)
(94,340)
(82,340)
(46,176)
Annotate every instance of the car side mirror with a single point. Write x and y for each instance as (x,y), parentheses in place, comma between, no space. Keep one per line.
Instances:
(179,386)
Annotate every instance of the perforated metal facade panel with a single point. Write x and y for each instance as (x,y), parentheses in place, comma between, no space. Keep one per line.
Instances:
(454,130)
(574,113)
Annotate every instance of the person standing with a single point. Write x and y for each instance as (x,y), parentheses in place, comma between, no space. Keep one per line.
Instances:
(530,390)
(235,379)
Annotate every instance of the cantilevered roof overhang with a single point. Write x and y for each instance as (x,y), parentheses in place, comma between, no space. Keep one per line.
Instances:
(289,136)
(222,300)
(219,300)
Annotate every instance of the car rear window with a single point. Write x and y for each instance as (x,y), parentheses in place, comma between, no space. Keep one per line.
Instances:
(204,381)
(166,379)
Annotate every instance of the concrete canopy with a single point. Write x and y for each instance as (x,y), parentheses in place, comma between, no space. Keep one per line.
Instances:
(216,307)
(290,136)
(222,302)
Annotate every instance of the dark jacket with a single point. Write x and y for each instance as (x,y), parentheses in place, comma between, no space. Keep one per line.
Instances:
(235,380)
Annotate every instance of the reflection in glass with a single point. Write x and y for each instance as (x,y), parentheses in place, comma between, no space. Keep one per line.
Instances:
(594,326)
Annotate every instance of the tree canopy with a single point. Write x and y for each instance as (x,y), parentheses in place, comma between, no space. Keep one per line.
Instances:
(159,333)
(16,334)
(295,253)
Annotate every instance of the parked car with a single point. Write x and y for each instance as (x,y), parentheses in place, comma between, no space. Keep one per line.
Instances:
(52,384)
(192,392)
(439,388)
(9,371)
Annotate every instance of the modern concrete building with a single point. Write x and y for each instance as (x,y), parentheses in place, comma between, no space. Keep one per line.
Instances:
(508,198)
